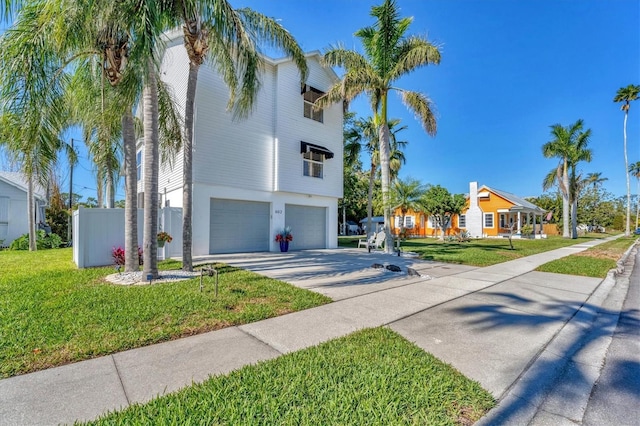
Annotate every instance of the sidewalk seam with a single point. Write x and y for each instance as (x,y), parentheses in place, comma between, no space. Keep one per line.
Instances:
(124,390)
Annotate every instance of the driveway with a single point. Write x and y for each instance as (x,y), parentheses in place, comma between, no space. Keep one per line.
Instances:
(337,273)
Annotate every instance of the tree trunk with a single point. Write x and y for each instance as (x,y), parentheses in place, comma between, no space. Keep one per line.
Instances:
(111,193)
(574,217)
(99,189)
(626,172)
(638,204)
(565,202)
(385,153)
(187,170)
(31,208)
(131,194)
(372,176)
(151,169)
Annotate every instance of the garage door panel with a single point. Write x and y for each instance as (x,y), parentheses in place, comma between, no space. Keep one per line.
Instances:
(308,226)
(238,226)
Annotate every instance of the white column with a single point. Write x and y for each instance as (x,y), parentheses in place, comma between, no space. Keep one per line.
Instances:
(519,222)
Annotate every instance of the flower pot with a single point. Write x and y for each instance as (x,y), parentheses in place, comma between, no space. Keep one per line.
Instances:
(284,246)
(160,243)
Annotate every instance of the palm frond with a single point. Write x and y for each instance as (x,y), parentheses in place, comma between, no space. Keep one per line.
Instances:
(423,108)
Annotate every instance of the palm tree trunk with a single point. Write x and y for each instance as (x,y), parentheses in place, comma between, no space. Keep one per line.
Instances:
(99,189)
(187,189)
(31,208)
(626,170)
(110,193)
(385,154)
(565,202)
(372,176)
(638,204)
(574,217)
(131,196)
(151,169)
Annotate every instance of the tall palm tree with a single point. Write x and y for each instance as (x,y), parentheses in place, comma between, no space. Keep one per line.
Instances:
(365,136)
(562,146)
(634,169)
(228,39)
(389,54)
(407,195)
(33,107)
(626,95)
(579,153)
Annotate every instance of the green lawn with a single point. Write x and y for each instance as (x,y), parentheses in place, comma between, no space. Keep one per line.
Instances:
(594,262)
(373,376)
(483,252)
(52,313)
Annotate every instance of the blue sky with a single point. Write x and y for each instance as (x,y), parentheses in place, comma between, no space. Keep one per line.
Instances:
(509,70)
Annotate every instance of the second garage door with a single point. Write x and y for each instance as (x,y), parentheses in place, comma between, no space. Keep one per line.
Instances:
(308,226)
(238,226)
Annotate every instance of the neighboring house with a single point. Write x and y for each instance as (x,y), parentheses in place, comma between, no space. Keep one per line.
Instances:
(489,213)
(376,221)
(282,166)
(14,217)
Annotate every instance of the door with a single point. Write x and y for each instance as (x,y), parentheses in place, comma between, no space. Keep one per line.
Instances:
(238,226)
(308,226)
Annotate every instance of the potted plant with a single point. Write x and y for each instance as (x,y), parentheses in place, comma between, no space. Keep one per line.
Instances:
(283,237)
(163,238)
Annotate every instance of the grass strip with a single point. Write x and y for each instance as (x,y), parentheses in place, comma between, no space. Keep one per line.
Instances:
(373,376)
(481,252)
(52,313)
(594,262)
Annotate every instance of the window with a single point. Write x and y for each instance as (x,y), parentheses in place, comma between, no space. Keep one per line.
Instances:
(139,164)
(430,222)
(408,222)
(488,220)
(503,220)
(312,164)
(310,96)
(462,221)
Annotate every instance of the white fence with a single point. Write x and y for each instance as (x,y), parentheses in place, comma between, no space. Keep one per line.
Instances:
(96,232)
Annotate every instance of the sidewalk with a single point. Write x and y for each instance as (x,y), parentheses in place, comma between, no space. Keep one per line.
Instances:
(491,323)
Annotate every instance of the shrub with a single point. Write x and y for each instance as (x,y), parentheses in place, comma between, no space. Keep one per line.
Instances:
(118,256)
(43,241)
(526,230)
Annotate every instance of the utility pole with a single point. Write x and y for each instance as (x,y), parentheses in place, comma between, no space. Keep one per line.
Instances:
(70,219)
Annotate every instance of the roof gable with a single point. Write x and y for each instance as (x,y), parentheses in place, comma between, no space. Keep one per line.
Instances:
(514,199)
(18,180)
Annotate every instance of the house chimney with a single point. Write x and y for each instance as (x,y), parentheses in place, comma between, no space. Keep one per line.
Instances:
(474,214)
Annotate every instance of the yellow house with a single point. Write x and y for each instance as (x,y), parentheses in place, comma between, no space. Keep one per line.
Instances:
(489,213)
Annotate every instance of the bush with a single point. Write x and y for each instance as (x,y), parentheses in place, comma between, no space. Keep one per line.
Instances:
(118,256)
(43,241)
(526,230)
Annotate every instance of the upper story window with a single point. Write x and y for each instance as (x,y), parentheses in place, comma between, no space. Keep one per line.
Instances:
(139,165)
(310,95)
(313,157)
(313,164)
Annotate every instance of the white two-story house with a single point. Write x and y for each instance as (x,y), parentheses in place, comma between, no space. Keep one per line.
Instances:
(280,167)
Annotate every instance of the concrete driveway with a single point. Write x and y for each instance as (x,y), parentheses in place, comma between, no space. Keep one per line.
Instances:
(337,273)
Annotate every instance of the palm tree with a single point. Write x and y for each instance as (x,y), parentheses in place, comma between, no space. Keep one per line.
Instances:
(364,135)
(33,108)
(626,95)
(407,195)
(595,179)
(634,169)
(389,55)
(228,39)
(563,146)
(579,153)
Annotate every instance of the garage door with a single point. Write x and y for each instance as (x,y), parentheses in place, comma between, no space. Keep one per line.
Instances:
(308,226)
(238,226)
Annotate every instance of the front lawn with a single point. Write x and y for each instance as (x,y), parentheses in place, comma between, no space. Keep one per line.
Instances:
(594,262)
(372,377)
(482,252)
(52,313)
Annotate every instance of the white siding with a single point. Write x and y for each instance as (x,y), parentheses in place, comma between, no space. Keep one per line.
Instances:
(16,222)
(235,153)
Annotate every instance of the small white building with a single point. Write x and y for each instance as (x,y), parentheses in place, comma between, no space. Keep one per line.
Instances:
(14,217)
(282,166)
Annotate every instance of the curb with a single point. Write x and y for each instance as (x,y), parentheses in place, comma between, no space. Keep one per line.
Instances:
(530,399)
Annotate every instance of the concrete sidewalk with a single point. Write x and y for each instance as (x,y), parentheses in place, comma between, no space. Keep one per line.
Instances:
(491,323)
